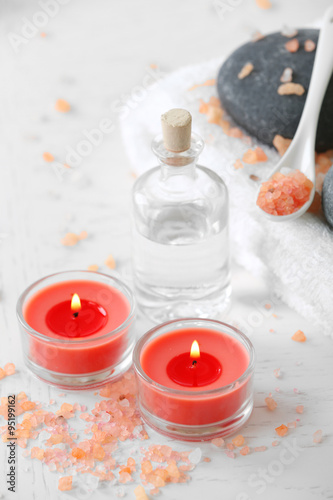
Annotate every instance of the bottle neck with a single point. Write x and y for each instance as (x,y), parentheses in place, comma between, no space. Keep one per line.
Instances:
(168,171)
(183,163)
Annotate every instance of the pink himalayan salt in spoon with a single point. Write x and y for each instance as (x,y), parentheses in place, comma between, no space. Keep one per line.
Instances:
(300,154)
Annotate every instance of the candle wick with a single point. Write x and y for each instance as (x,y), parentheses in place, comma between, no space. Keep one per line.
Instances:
(194,362)
(75,314)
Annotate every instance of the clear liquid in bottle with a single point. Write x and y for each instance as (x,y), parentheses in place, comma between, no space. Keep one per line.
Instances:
(180,231)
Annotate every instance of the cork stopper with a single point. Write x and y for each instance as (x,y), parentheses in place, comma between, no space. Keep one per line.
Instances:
(176,128)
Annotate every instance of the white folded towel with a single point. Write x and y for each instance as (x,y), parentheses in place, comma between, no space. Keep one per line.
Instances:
(294,258)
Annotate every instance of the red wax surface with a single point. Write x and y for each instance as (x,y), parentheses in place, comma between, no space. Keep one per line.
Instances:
(189,409)
(189,372)
(91,318)
(69,356)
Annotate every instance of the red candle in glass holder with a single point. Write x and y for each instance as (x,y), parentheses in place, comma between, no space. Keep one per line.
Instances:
(75,331)
(194,378)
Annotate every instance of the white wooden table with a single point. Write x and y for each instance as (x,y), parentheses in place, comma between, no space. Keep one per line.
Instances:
(93,54)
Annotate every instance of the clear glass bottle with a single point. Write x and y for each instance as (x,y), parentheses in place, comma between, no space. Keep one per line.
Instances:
(180,236)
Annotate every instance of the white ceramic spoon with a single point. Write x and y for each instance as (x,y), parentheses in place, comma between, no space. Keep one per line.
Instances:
(300,154)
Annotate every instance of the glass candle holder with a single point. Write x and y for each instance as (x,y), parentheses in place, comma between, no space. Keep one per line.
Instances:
(82,344)
(194,397)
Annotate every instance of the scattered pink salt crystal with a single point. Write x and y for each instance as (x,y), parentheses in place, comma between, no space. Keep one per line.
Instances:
(140,493)
(173,470)
(277,389)
(292,425)
(292,45)
(299,335)
(284,194)
(296,391)
(65,483)
(48,157)
(275,443)
(282,430)
(230,454)
(207,83)
(235,132)
(271,404)
(217,442)
(263,4)
(83,235)
(253,156)
(281,144)
(62,106)
(238,441)
(268,306)
(230,446)
(78,453)
(238,164)
(110,262)
(245,450)
(260,448)
(125,477)
(309,46)
(271,330)
(146,467)
(317,436)
(93,267)
(245,71)
(9,369)
(287,75)
(206,459)
(28,405)
(277,372)
(70,240)
(2,373)
(37,453)
(299,409)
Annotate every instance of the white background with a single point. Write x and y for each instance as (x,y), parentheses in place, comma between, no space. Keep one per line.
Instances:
(94,53)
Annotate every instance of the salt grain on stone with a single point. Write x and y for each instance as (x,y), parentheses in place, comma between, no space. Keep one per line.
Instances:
(245,71)
(287,75)
(309,46)
(292,45)
(291,89)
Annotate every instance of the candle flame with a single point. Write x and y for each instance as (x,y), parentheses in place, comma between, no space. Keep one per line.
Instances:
(195,350)
(76,303)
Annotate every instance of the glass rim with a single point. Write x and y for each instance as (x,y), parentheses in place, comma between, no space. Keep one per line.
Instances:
(192,394)
(45,338)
